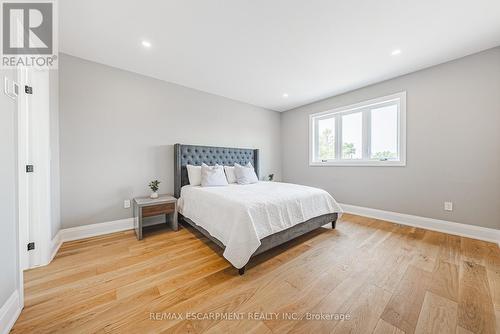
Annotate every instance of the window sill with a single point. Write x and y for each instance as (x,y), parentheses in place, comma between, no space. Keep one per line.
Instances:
(358,164)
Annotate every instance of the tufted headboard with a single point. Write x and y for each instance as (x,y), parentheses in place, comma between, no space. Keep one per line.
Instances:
(211,155)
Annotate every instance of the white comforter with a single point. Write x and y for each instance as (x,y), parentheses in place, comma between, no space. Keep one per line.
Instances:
(241,215)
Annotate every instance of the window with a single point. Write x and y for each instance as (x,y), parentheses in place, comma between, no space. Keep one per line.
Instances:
(352,136)
(371,133)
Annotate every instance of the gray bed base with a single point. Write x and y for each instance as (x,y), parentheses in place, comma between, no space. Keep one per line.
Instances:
(196,155)
(276,239)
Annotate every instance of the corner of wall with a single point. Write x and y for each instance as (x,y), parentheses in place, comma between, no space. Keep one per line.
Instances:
(9,312)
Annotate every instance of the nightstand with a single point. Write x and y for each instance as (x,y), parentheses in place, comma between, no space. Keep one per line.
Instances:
(149,207)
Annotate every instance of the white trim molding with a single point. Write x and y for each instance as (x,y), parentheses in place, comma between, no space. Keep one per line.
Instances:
(87,231)
(9,312)
(365,109)
(56,244)
(463,230)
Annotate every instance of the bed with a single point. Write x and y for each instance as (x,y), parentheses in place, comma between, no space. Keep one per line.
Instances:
(246,220)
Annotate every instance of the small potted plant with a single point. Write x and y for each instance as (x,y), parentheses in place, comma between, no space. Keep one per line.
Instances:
(154,185)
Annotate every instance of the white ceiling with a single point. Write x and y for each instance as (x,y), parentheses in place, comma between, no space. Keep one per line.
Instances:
(256,50)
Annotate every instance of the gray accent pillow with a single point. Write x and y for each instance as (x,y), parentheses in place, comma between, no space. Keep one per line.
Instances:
(212,176)
(245,174)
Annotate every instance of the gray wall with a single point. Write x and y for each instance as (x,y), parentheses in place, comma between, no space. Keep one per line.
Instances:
(8,194)
(453,145)
(54,152)
(117,131)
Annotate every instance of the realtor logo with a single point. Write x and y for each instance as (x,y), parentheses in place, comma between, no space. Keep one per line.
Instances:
(28,34)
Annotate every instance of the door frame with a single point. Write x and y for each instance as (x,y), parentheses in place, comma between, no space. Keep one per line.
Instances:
(22,179)
(34,189)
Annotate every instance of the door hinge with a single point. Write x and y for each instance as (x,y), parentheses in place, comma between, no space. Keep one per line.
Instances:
(30,169)
(31,246)
(28,89)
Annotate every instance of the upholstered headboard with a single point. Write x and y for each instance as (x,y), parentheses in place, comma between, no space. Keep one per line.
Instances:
(211,155)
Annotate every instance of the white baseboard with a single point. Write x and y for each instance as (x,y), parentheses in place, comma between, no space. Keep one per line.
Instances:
(463,230)
(56,244)
(87,231)
(470,231)
(9,312)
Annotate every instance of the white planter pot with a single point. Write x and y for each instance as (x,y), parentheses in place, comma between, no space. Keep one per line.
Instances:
(154,195)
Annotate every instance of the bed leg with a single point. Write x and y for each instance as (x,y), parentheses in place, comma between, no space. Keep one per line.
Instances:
(241,271)
(333,224)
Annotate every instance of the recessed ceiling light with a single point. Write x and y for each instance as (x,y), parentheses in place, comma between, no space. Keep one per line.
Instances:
(396,52)
(285,95)
(146,44)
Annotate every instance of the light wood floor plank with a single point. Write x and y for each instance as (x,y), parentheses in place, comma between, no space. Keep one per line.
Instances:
(444,281)
(386,328)
(475,307)
(404,307)
(461,330)
(438,315)
(450,250)
(474,250)
(364,311)
(427,251)
(388,278)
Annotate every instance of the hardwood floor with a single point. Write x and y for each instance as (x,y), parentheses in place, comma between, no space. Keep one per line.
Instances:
(385,278)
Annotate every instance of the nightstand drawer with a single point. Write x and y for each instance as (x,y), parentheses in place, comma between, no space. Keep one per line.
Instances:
(159,209)
(165,205)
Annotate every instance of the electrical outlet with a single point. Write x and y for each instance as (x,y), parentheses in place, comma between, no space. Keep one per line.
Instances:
(448,206)
(126,204)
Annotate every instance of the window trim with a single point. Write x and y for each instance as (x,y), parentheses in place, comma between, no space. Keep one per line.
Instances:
(400,97)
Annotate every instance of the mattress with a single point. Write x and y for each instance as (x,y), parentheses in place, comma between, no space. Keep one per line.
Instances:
(240,216)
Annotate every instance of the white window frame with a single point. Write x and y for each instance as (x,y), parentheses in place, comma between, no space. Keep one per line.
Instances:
(399,98)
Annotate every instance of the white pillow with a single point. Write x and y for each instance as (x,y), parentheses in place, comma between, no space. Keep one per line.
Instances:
(245,174)
(212,176)
(194,175)
(231,177)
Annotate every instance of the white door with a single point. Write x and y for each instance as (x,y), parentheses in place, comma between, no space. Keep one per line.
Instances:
(34,150)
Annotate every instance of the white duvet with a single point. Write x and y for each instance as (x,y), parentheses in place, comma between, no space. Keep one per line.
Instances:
(241,215)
